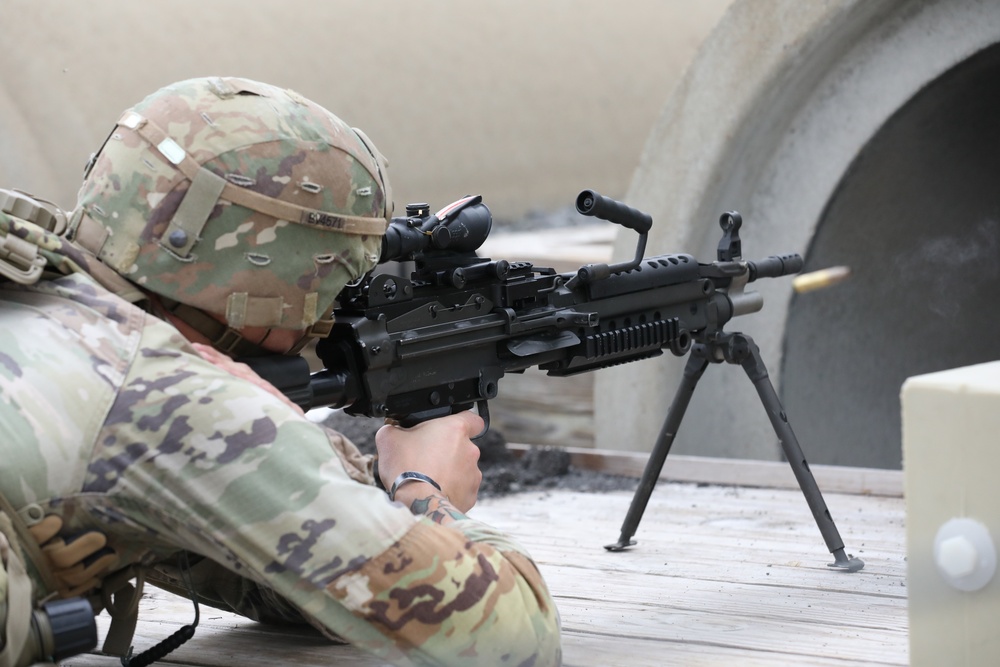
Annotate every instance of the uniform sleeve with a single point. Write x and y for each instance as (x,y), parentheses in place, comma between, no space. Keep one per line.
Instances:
(203,461)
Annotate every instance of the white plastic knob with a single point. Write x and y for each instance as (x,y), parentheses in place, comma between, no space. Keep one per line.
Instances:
(964,554)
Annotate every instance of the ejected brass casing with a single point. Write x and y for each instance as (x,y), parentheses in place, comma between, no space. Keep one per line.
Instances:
(821,279)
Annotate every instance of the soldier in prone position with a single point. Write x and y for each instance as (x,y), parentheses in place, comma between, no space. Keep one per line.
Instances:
(221,218)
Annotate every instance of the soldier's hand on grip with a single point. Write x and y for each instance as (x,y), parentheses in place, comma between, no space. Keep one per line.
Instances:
(440,448)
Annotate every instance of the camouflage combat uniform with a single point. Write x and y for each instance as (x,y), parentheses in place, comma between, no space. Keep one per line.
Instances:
(109,418)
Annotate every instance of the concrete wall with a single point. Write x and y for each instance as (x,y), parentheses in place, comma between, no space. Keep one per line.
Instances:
(845,131)
(524,102)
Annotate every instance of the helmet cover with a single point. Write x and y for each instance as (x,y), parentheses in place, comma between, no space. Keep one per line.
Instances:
(237,198)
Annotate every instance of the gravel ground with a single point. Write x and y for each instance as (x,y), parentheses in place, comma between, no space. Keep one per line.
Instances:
(541,468)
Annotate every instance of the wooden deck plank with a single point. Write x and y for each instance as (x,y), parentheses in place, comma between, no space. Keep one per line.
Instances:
(742,569)
(721,575)
(613,651)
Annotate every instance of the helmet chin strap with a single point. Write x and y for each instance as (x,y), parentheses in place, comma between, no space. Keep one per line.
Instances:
(307,335)
(232,341)
(219,335)
(321,328)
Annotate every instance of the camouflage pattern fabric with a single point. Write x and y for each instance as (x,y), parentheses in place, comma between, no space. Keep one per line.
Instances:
(181,200)
(65,257)
(110,419)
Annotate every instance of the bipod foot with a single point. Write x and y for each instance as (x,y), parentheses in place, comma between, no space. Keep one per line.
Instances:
(846,563)
(622,544)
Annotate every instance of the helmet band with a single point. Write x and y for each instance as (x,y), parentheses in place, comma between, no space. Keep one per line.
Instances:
(173,153)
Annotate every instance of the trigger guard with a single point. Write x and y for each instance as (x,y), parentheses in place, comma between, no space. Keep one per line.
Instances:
(483,409)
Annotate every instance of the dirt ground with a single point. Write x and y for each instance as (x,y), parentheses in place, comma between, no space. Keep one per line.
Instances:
(541,468)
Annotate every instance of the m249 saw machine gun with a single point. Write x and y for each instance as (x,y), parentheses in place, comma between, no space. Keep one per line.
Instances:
(439,341)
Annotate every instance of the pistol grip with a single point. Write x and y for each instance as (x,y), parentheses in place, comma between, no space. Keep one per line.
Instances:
(482,409)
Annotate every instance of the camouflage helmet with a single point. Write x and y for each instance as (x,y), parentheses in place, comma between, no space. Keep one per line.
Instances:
(238,199)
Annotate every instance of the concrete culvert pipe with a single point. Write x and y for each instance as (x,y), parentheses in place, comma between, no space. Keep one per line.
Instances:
(857,133)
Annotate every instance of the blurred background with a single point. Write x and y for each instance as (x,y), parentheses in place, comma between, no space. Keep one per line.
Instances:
(523,102)
(858,133)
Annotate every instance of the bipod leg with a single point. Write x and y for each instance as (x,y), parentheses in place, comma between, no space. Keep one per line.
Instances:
(744,351)
(693,370)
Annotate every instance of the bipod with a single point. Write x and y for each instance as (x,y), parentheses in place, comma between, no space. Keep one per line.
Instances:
(735,348)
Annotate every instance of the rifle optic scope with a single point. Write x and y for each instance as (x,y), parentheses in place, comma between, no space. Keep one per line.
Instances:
(460,227)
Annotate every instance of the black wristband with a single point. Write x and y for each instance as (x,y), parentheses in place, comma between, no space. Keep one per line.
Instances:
(410,476)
